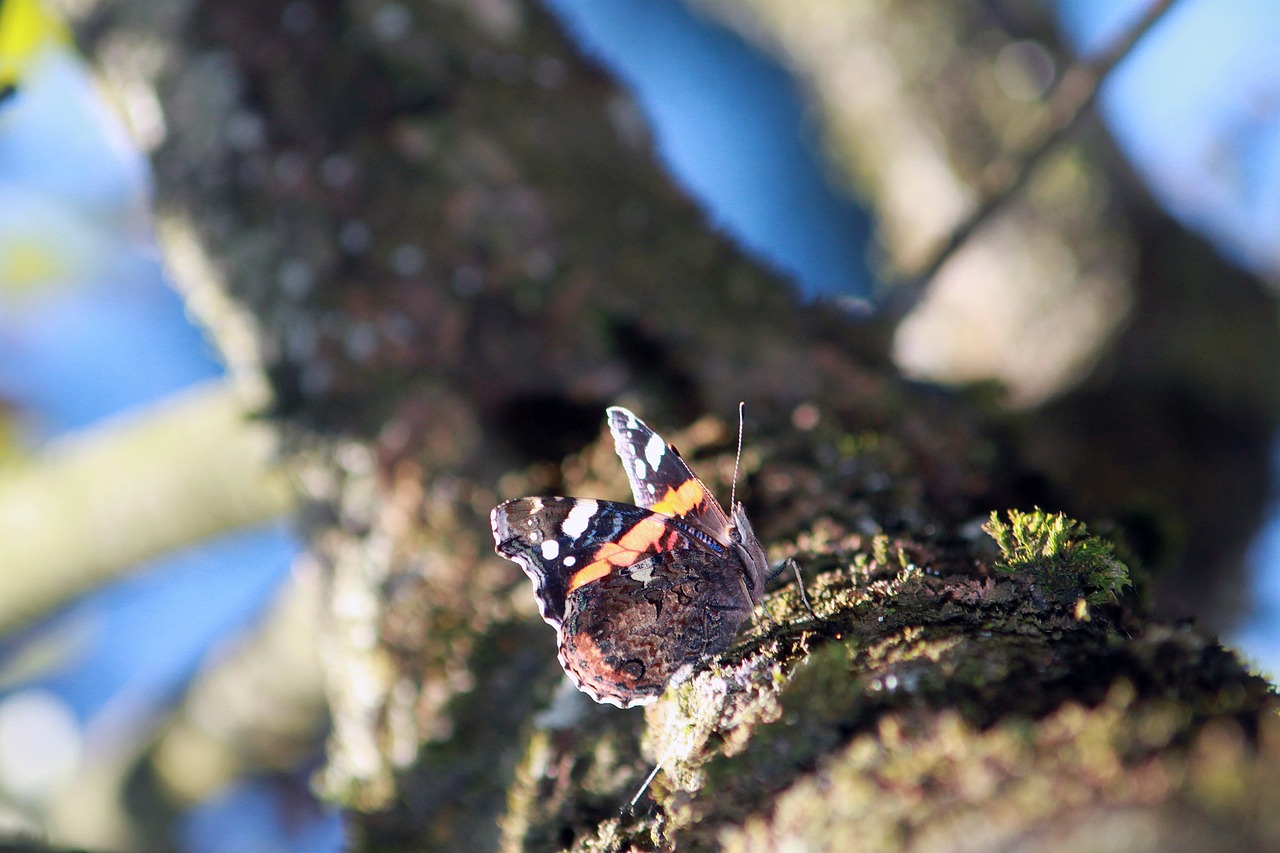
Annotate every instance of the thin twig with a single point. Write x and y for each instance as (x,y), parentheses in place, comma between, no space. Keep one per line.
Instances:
(1067,102)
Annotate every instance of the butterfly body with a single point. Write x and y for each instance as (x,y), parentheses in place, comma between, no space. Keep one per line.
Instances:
(638,594)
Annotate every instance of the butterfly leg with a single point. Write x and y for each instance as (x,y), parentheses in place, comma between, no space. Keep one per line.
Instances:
(804,598)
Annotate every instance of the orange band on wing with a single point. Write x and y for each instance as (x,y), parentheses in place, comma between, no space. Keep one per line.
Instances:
(647,537)
(610,557)
(678,502)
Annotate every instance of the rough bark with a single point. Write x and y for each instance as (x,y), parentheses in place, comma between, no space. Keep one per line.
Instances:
(439,238)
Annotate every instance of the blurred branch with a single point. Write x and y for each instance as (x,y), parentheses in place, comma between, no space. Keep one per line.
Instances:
(1067,103)
(116,495)
(256,708)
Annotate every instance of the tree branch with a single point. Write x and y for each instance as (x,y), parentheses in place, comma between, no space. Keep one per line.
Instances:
(117,495)
(1070,99)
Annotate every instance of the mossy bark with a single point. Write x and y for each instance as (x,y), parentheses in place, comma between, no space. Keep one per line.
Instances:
(437,237)
(936,698)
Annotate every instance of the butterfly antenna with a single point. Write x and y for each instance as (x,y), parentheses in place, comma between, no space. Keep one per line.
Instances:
(733,490)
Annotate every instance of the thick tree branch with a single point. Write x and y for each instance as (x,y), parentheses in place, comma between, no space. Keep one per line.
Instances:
(104,501)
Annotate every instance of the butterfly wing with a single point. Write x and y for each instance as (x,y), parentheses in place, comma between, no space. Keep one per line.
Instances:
(628,635)
(565,543)
(635,597)
(661,480)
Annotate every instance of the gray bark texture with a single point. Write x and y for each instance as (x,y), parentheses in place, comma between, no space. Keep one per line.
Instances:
(439,238)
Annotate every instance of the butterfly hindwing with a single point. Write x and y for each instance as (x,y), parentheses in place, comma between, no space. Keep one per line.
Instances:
(628,635)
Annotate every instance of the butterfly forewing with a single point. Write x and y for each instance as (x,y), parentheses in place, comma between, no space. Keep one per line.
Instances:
(660,478)
(565,543)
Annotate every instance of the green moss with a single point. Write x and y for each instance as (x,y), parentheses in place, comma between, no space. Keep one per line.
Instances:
(1061,552)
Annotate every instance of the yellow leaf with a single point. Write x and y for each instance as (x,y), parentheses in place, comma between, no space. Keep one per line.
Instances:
(26,27)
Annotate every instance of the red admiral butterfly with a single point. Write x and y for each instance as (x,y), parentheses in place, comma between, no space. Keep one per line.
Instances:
(637,594)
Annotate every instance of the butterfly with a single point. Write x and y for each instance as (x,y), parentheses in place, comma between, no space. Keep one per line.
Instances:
(638,594)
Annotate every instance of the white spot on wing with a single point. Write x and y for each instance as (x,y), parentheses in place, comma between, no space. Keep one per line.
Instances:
(638,467)
(643,572)
(569,561)
(576,522)
(653,450)
(550,549)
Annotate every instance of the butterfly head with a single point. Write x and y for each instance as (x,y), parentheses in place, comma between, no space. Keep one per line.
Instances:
(744,542)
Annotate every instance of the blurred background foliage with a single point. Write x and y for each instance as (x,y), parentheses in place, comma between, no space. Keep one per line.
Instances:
(1131,272)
